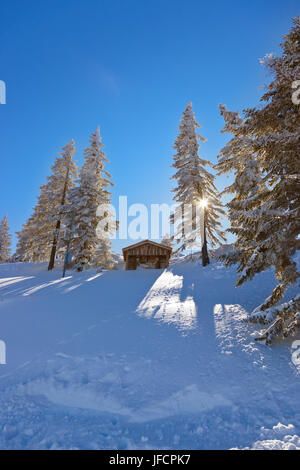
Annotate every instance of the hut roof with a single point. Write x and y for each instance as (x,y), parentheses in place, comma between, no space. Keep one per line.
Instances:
(147,242)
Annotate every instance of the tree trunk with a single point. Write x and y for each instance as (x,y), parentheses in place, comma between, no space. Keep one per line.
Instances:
(54,246)
(58,223)
(205,257)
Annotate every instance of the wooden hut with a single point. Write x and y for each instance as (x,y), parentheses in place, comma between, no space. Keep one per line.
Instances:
(147,253)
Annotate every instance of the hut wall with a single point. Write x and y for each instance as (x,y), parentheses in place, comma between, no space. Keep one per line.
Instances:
(157,256)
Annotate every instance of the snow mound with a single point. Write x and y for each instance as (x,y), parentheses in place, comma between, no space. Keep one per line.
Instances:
(277,438)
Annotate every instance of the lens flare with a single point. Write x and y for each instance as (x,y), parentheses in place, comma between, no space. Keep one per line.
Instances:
(203,202)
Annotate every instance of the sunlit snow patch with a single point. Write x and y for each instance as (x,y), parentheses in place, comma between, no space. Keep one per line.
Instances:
(46,284)
(163,302)
(7,281)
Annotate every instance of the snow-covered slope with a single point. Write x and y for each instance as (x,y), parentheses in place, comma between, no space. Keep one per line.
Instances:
(141,359)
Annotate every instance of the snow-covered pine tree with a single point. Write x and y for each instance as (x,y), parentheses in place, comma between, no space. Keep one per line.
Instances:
(167,240)
(61,181)
(24,250)
(41,235)
(238,157)
(83,210)
(5,240)
(103,257)
(195,184)
(27,249)
(274,128)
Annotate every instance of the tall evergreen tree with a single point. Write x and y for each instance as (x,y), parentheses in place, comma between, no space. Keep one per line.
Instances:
(238,157)
(5,240)
(274,132)
(91,194)
(198,200)
(27,247)
(24,251)
(62,180)
(41,235)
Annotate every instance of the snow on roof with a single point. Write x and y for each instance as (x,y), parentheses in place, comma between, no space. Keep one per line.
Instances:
(144,242)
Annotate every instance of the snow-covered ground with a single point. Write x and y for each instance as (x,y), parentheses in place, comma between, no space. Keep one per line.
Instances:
(141,359)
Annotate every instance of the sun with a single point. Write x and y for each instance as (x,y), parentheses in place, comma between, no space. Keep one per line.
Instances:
(203,202)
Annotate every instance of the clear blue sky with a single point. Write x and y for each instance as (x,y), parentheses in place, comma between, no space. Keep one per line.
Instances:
(130,66)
